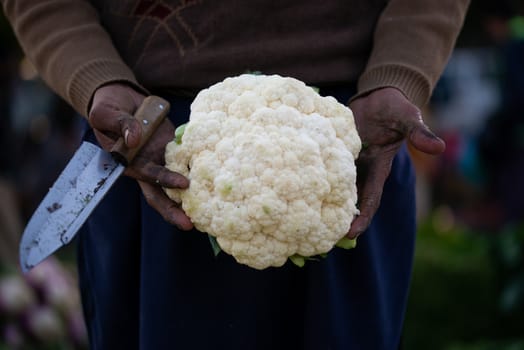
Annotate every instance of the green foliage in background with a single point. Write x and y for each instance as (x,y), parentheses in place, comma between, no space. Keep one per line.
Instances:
(468,289)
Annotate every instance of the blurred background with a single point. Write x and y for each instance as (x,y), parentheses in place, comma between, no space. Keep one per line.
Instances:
(468,284)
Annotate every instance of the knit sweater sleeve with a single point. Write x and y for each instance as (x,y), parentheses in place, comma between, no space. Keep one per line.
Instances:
(65,41)
(412,43)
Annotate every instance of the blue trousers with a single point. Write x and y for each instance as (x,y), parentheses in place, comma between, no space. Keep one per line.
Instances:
(147,285)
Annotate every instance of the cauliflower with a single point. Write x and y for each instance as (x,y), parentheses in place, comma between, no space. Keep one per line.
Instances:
(272,169)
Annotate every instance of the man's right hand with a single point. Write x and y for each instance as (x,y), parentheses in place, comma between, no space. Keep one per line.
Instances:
(111,117)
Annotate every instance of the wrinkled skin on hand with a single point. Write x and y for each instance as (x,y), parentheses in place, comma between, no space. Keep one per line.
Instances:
(384,119)
(111,117)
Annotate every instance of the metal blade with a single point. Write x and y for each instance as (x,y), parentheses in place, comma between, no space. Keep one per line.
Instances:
(75,194)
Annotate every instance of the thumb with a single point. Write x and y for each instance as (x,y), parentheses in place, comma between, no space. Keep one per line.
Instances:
(424,140)
(111,113)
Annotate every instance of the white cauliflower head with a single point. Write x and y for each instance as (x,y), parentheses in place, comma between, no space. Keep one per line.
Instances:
(271,165)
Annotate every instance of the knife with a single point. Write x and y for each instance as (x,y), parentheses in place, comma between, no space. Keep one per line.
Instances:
(80,187)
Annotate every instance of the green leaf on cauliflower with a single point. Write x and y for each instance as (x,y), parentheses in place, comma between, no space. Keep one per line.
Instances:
(179,132)
(254,72)
(298,260)
(214,245)
(344,243)
(347,243)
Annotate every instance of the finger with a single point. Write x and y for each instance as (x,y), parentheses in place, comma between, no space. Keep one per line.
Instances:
(424,140)
(152,173)
(418,134)
(370,194)
(113,121)
(168,209)
(106,141)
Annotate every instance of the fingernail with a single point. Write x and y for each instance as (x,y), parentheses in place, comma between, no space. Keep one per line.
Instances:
(429,133)
(126,135)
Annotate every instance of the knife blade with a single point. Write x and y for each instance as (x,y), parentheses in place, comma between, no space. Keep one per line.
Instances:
(79,188)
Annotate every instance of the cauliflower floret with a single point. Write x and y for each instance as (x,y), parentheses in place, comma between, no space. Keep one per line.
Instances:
(271,165)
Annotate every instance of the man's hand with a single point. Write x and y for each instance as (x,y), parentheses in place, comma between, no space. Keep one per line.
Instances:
(384,119)
(111,117)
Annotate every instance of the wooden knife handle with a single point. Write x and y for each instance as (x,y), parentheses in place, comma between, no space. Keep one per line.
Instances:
(150,115)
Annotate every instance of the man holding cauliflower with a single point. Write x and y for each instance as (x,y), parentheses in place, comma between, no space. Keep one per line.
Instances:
(266,165)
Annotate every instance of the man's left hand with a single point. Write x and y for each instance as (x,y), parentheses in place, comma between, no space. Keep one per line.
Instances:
(384,119)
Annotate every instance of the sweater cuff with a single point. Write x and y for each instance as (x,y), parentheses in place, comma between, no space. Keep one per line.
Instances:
(89,77)
(409,81)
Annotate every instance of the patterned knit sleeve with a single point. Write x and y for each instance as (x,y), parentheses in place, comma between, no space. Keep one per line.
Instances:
(70,49)
(412,43)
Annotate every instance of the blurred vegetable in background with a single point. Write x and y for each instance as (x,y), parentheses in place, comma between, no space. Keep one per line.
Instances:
(38,134)
(467,290)
(41,310)
(508,252)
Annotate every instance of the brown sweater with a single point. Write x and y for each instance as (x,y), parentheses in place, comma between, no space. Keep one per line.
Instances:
(186,45)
